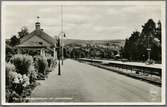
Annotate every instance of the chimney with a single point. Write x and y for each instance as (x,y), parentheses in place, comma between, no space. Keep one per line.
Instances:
(37,26)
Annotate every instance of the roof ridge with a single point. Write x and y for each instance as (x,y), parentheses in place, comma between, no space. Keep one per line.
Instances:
(41,34)
(26,37)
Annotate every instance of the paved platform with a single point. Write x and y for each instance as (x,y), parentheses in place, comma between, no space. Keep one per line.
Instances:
(81,82)
(140,64)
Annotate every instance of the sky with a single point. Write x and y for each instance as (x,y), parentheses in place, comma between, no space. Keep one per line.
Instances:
(88,22)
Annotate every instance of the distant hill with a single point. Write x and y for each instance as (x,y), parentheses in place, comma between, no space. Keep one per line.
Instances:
(118,42)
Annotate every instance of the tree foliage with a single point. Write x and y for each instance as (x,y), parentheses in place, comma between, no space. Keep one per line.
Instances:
(15,40)
(23,32)
(135,48)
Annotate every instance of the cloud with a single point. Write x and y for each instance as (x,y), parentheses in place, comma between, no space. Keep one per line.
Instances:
(46,9)
(82,22)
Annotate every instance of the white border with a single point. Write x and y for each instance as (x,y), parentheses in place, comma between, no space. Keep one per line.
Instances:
(3,21)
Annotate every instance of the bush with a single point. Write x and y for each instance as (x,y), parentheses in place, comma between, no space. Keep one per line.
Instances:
(49,60)
(41,64)
(22,63)
(52,63)
(48,70)
(15,84)
(10,51)
(32,74)
(19,84)
(9,69)
(21,78)
(41,76)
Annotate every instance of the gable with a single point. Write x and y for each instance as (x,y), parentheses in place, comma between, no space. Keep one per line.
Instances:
(35,41)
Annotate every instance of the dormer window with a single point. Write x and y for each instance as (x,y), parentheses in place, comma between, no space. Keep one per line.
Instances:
(40,43)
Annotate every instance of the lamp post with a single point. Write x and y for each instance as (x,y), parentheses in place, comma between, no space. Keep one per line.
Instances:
(62,34)
(59,69)
(62,47)
(58,50)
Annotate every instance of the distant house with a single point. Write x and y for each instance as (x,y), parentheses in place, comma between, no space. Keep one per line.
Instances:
(37,43)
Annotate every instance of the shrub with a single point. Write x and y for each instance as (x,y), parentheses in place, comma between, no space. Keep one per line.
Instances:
(9,69)
(10,51)
(15,83)
(32,74)
(54,63)
(21,75)
(49,60)
(48,70)
(41,64)
(22,63)
(19,84)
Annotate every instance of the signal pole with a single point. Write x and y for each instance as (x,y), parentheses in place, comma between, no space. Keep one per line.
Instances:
(148,45)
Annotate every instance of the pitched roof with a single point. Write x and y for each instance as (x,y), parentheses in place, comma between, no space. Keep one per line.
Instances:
(41,34)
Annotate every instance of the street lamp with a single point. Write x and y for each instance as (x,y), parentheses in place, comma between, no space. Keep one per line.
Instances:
(58,51)
(62,34)
(60,43)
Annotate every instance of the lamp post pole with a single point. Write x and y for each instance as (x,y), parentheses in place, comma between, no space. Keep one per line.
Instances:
(62,50)
(62,35)
(59,69)
(59,47)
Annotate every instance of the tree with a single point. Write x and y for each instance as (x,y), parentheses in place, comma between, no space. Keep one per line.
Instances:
(136,46)
(10,51)
(156,48)
(146,40)
(158,31)
(130,50)
(23,32)
(14,41)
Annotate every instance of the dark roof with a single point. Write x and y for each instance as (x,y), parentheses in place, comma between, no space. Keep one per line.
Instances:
(41,34)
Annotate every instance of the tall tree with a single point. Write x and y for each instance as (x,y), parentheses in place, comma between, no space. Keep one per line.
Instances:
(136,46)
(130,50)
(146,40)
(23,32)
(158,31)
(14,41)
